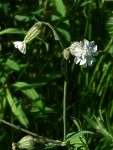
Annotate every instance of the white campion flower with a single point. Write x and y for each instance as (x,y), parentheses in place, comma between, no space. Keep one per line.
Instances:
(31,34)
(84,52)
(21,46)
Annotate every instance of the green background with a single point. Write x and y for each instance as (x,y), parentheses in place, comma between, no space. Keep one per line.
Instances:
(31,85)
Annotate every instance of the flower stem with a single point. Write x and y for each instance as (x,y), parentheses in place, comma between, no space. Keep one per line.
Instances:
(41,139)
(64,100)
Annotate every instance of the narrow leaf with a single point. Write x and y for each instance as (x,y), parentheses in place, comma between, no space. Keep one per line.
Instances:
(12,31)
(60,7)
(12,65)
(17,109)
(27,90)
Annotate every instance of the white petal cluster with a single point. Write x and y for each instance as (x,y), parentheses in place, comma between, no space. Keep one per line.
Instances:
(21,46)
(84,52)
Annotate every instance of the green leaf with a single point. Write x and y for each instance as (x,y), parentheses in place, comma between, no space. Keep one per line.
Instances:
(109,26)
(3,105)
(99,126)
(55,18)
(37,106)
(27,90)
(78,134)
(5,8)
(60,7)
(22,18)
(49,110)
(12,31)
(65,34)
(17,109)
(12,65)
(78,139)
(103,77)
(77,124)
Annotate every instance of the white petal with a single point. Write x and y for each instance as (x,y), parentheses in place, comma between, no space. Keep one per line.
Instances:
(21,46)
(94,53)
(23,50)
(18,44)
(92,43)
(83,61)
(86,43)
(90,60)
(93,48)
(84,52)
(77,60)
(78,51)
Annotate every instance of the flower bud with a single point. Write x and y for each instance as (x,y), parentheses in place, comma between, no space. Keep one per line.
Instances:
(27,142)
(33,32)
(66,54)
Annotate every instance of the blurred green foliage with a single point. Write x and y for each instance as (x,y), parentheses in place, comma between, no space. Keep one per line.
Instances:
(31,85)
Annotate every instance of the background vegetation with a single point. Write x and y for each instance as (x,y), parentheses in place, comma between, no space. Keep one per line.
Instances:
(31,85)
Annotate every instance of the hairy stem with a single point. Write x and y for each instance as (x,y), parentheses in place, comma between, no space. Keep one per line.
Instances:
(64,100)
(41,139)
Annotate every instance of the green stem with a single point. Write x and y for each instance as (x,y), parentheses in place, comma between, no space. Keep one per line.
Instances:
(65,82)
(64,100)
(41,139)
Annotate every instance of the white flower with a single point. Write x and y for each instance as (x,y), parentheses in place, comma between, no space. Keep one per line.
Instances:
(21,46)
(84,52)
